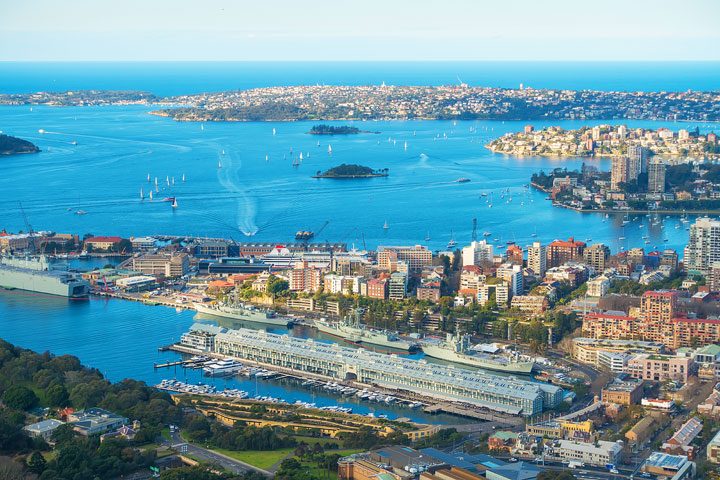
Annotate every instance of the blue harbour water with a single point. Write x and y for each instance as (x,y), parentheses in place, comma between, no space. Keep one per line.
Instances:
(251,199)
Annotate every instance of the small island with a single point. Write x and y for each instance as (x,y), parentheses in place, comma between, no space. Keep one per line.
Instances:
(13,146)
(351,171)
(332,130)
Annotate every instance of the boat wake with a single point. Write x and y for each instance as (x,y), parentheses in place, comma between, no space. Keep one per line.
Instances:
(229,177)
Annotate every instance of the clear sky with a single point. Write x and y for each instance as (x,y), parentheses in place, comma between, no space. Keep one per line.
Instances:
(359,30)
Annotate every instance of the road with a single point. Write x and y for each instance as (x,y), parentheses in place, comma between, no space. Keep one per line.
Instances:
(205,455)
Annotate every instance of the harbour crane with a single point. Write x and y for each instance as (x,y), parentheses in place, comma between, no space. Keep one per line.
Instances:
(29,228)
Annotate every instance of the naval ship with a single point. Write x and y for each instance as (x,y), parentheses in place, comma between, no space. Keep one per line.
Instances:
(35,274)
(456,349)
(352,330)
(240,311)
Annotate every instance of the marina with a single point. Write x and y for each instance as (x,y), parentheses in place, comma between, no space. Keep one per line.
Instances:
(408,377)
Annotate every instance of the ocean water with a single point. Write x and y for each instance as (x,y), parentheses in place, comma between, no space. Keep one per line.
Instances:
(232,191)
(172,78)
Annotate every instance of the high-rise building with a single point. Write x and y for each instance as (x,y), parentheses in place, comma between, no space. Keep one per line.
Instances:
(683,134)
(596,133)
(477,253)
(656,177)
(622,131)
(304,278)
(703,249)
(596,256)
(537,258)
(619,172)
(563,251)
(638,152)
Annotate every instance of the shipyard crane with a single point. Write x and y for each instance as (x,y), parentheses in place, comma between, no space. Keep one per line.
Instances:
(28,227)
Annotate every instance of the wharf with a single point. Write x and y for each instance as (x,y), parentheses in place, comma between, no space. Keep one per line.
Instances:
(152,301)
(463,411)
(407,396)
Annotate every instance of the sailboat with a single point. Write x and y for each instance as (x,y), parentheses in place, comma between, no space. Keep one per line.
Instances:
(267,157)
(329,149)
(183,178)
(318,144)
(202,126)
(405,146)
(174,204)
(151,195)
(156,181)
(148,178)
(219,164)
(386,225)
(142,195)
(452,243)
(274,132)
(172,180)
(301,157)
(223,152)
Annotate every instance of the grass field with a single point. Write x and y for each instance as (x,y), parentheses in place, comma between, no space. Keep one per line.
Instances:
(257,458)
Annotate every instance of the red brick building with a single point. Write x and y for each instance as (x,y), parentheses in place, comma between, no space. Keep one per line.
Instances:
(562,251)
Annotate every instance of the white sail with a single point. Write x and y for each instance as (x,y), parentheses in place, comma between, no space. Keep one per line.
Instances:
(142,195)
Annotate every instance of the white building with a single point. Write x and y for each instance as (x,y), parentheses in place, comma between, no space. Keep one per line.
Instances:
(602,454)
(513,275)
(477,253)
(703,249)
(598,286)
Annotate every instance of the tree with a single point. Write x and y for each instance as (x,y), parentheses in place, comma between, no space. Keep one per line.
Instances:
(36,462)
(57,396)
(277,286)
(20,398)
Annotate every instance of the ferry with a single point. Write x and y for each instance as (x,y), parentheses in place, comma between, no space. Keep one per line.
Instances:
(241,311)
(352,330)
(456,349)
(462,180)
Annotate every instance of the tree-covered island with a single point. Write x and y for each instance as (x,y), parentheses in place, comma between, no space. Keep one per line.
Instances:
(11,146)
(324,129)
(351,171)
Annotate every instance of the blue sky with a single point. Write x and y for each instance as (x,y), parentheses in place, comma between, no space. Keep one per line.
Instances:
(360,30)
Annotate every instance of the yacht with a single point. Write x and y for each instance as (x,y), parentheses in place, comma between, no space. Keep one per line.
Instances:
(223,367)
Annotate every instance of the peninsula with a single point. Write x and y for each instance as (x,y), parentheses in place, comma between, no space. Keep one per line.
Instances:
(381,102)
(608,141)
(12,146)
(351,171)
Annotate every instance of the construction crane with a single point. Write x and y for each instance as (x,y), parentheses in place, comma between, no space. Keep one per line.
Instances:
(474,230)
(28,227)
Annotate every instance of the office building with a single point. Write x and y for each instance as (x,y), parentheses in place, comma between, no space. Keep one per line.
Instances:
(619,172)
(165,264)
